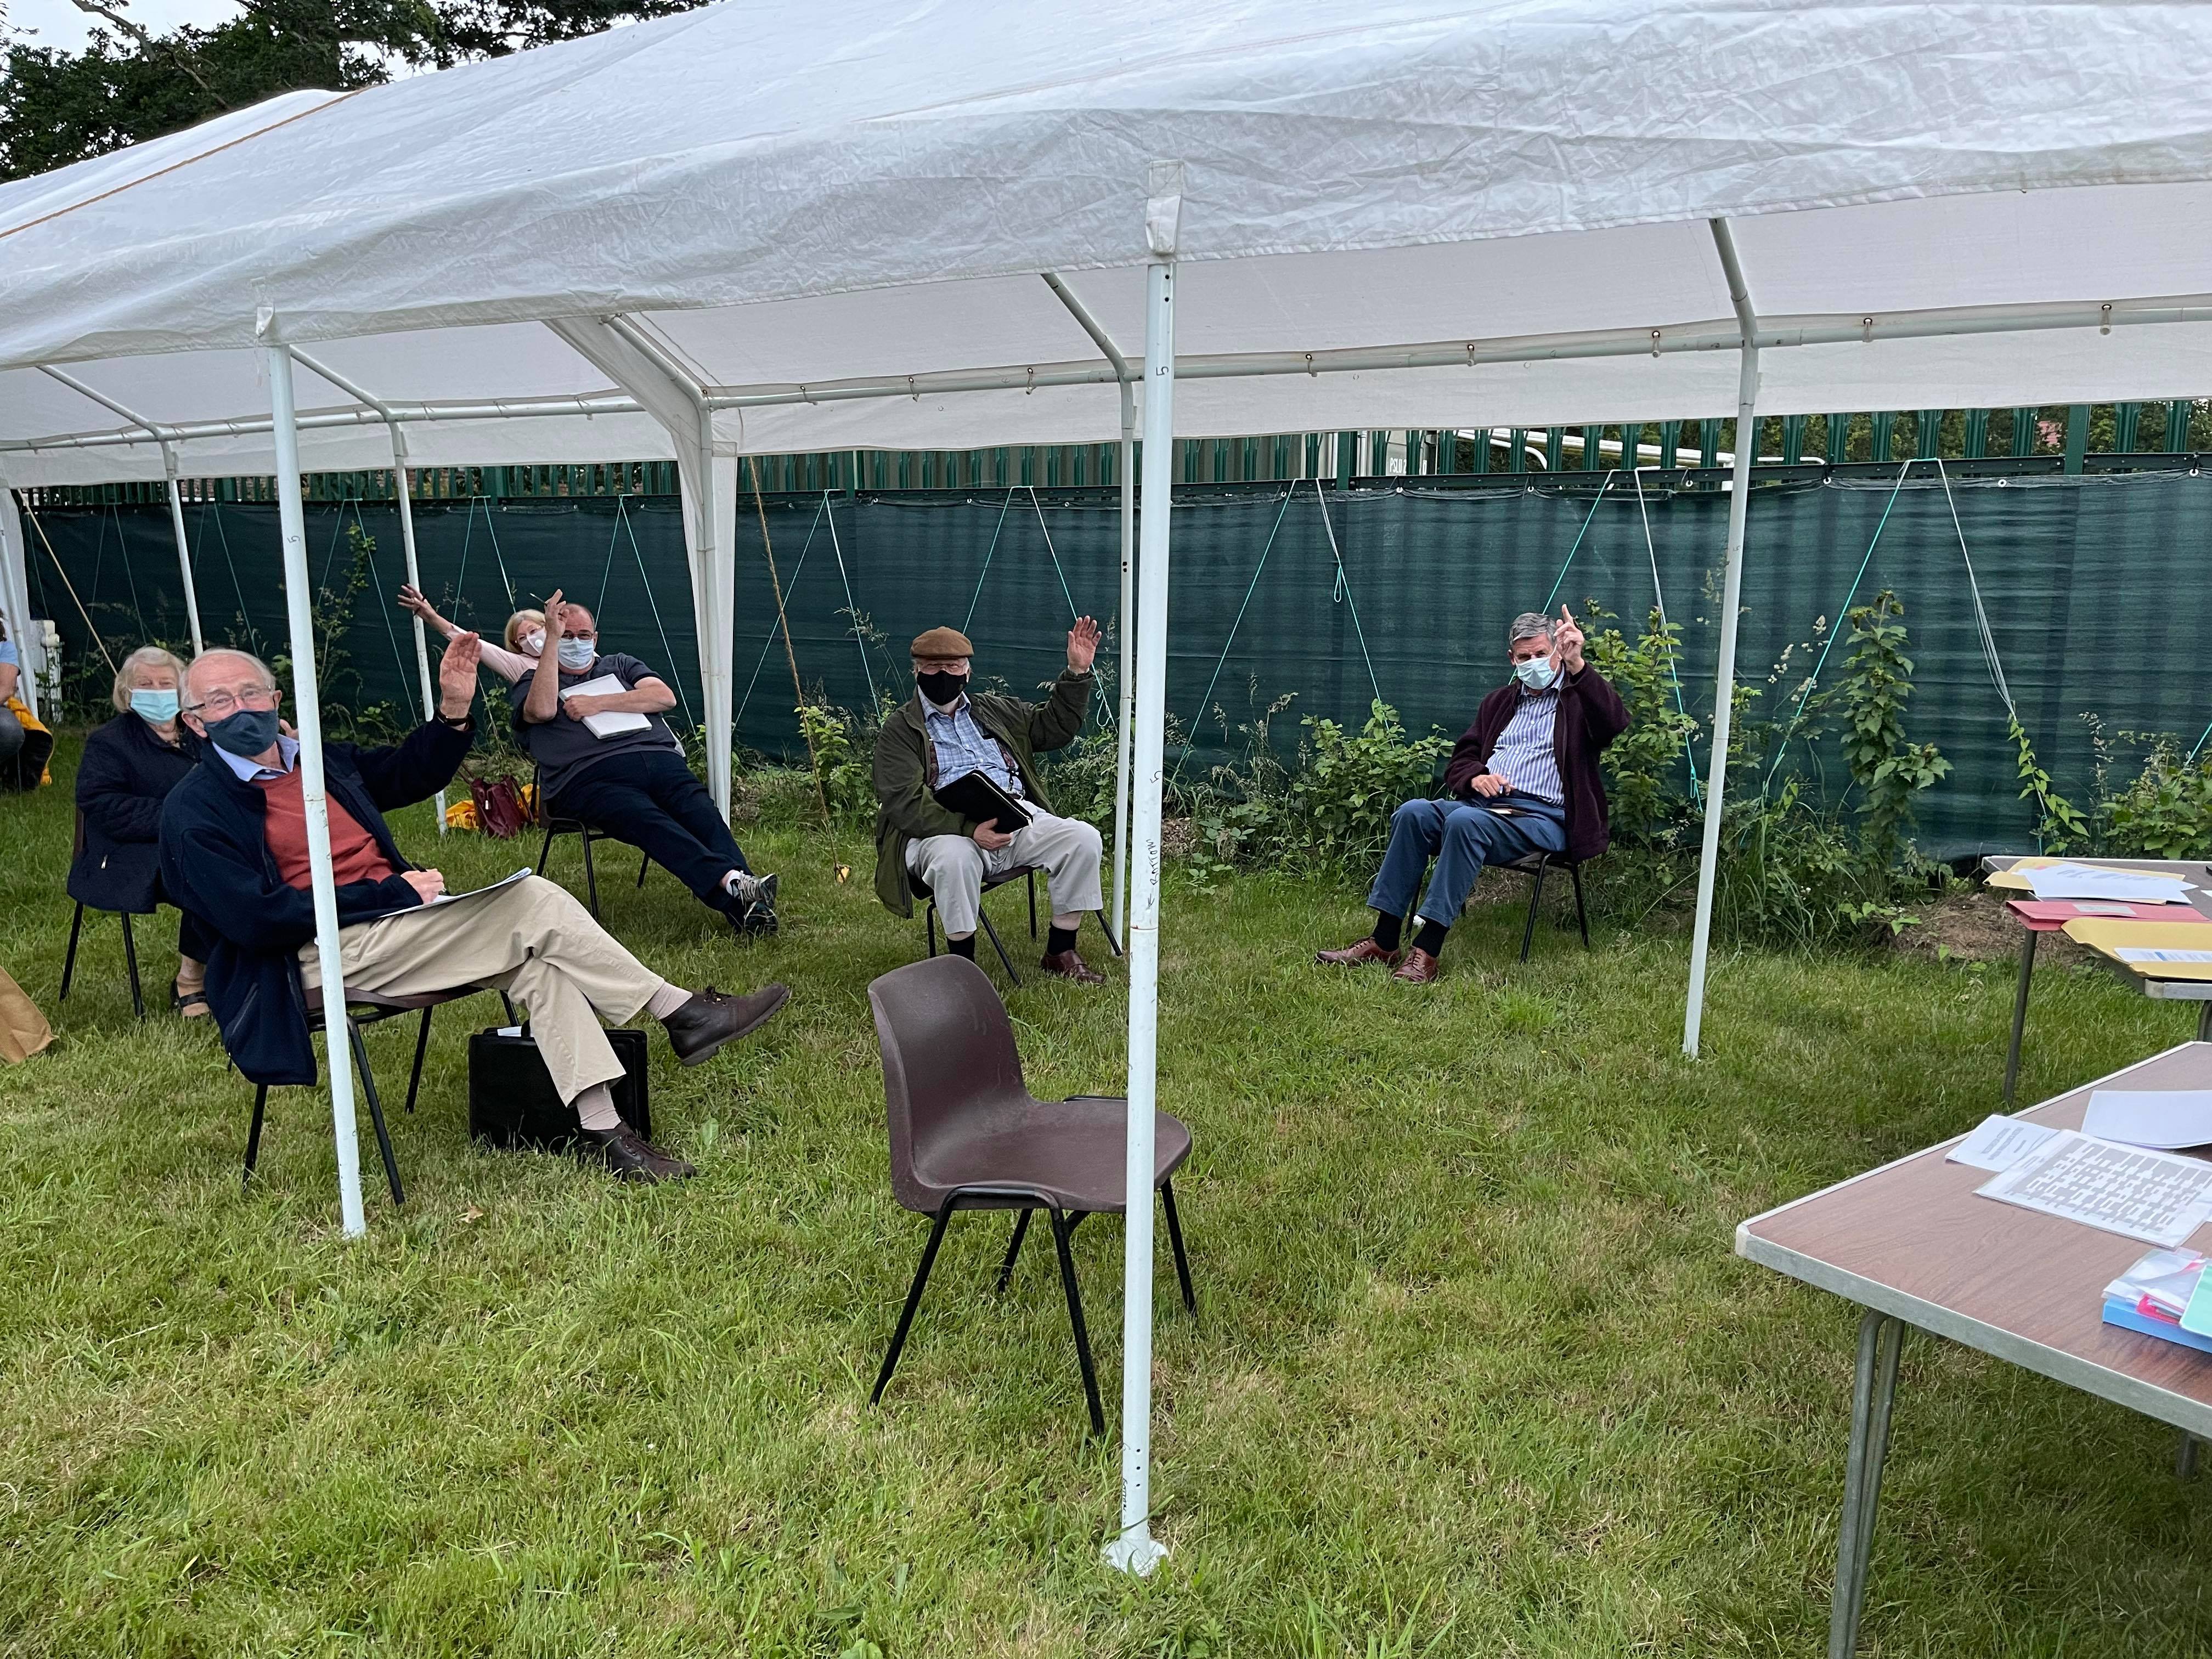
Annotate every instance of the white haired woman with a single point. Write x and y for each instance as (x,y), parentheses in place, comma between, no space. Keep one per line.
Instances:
(525,636)
(129,767)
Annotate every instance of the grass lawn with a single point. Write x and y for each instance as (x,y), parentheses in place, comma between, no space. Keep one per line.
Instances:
(1476,1370)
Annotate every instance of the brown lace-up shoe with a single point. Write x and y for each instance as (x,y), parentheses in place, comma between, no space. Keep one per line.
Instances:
(1353,956)
(1067,964)
(630,1156)
(698,1030)
(1419,967)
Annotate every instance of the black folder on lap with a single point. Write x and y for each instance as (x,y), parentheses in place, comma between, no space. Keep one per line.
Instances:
(973,795)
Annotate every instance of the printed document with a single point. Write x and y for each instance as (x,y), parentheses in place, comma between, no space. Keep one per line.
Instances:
(2156,1197)
(1998,1143)
(2089,881)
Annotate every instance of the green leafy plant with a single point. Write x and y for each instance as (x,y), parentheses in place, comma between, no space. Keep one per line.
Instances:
(1346,785)
(1645,769)
(2058,825)
(1886,770)
(2165,812)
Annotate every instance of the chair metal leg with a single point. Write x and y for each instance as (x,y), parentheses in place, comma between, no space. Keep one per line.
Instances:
(1881,1342)
(1107,929)
(2185,1457)
(545,849)
(1013,1250)
(131,966)
(69,962)
(1175,1239)
(2019,1012)
(1535,898)
(375,1112)
(644,864)
(1032,886)
(590,880)
(253,1134)
(1061,1231)
(929,927)
(1582,915)
(422,1042)
(507,1003)
(913,1300)
(998,945)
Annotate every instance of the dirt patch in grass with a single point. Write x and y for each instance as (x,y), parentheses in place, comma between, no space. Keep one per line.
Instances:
(1976,927)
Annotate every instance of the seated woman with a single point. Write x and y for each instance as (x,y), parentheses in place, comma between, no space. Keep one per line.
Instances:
(24,744)
(523,636)
(130,765)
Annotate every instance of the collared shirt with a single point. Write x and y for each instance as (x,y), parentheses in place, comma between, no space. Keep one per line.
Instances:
(962,747)
(1524,757)
(287,751)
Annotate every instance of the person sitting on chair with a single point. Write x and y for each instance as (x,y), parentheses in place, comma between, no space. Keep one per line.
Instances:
(234,853)
(635,785)
(128,768)
(942,733)
(523,637)
(1522,779)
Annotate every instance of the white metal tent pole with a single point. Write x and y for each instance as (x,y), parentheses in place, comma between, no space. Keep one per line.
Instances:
(183,547)
(1129,653)
(415,581)
(1135,1550)
(1747,429)
(718,647)
(307,716)
(15,599)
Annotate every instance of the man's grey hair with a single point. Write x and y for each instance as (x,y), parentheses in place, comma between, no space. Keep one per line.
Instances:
(222,653)
(1528,625)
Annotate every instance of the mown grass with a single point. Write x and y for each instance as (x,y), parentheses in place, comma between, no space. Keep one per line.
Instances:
(1476,1372)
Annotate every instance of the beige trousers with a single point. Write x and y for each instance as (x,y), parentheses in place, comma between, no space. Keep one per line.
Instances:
(530,939)
(954,867)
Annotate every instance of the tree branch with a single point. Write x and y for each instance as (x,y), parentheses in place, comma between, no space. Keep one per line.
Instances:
(147,43)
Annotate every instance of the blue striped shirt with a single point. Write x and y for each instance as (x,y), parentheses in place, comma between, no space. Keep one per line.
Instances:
(1524,757)
(962,747)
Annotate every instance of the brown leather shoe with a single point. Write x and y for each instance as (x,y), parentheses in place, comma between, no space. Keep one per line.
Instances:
(1419,967)
(1353,954)
(1067,964)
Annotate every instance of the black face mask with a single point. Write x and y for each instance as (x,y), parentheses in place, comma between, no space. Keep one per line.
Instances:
(940,688)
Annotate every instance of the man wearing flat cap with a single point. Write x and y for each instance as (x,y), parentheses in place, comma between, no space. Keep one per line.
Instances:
(942,733)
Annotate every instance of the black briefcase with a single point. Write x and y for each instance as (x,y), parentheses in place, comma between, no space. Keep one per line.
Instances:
(511,1098)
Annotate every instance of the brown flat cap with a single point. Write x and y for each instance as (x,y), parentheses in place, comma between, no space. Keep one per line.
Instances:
(943,643)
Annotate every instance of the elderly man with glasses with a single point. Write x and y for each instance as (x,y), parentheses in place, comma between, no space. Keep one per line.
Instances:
(1522,779)
(234,853)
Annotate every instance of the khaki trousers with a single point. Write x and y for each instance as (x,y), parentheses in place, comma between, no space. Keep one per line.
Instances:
(954,868)
(530,939)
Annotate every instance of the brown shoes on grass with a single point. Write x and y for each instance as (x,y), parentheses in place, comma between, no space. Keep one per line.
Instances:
(1067,964)
(1419,967)
(1354,956)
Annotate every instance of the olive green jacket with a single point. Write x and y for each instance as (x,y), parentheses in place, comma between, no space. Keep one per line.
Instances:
(906,812)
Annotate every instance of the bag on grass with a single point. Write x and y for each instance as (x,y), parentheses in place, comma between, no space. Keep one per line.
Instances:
(500,811)
(23,1029)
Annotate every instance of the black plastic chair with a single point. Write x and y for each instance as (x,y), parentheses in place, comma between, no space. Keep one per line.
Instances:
(1535,864)
(76,926)
(1019,872)
(967,1134)
(363,1011)
(555,825)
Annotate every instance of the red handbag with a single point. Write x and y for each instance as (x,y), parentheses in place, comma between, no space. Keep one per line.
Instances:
(499,810)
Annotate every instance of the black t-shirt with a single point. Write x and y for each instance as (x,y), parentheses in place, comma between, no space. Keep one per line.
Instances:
(563,748)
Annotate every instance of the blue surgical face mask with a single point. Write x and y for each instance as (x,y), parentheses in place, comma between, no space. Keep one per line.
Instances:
(579,654)
(158,708)
(1537,673)
(245,733)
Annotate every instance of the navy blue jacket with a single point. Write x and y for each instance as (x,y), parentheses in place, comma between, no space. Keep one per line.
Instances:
(216,865)
(124,775)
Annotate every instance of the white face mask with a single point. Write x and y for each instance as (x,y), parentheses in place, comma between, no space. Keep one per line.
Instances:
(533,642)
(1537,673)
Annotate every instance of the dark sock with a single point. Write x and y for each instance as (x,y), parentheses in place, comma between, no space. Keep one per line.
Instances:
(1386,930)
(963,947)
(1057,939)
(1431,938)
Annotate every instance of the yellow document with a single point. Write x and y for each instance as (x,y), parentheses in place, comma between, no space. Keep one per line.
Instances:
(2156,950)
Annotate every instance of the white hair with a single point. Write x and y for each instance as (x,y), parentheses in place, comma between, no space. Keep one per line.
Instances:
(214,652)
(127,677)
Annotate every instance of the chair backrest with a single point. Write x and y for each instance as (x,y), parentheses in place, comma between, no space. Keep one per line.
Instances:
(949,1058)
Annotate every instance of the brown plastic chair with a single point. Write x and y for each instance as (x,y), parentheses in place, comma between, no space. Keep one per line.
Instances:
(966,1134)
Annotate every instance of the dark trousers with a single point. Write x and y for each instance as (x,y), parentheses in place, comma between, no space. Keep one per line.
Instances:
(1461,839)
(650,799)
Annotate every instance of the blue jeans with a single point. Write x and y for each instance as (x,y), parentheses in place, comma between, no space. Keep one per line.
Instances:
(1461,839)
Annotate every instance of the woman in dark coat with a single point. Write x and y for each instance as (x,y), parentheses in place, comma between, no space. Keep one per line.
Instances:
(130,765)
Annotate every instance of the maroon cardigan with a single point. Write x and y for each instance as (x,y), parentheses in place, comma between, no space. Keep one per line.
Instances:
(1591,715)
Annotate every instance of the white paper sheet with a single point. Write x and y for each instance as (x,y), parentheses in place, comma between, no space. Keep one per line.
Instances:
(2148,953)
(2164,1118)
(1998,1143)
(504,881)
(2156,1197)
(2088,881)
(606,725)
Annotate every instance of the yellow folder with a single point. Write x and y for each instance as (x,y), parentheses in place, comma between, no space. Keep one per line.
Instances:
(2015,878)
(2160,949)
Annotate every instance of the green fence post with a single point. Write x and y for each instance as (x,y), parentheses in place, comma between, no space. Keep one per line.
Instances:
(1978,434)
(1709,442)
(2176,426)
(2126,418)
(1555,449)
(1348,458)
(2077,436)
(1516,452)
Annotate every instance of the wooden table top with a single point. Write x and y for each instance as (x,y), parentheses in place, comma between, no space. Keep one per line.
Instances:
(1913,1239)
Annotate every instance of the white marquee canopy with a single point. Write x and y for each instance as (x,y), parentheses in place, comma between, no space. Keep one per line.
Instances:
(944,224)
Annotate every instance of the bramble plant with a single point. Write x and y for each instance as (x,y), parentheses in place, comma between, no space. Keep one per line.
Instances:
(1644,768)
(1886,770)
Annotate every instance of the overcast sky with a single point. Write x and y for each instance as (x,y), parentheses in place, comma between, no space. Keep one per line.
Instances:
(58,23)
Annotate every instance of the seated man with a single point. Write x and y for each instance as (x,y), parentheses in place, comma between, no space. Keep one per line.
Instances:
(1522,779)
(233,843)
(634,784)
(943,734)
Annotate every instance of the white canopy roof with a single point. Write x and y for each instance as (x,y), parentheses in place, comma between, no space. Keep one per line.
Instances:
(1460,214)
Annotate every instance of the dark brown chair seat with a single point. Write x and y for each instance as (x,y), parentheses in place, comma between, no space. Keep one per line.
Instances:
(967,1134)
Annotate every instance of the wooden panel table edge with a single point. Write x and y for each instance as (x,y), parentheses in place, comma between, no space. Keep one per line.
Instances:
(1890,1309)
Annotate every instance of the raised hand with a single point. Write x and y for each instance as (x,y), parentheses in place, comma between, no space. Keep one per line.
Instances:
(557,618)
(1082,646)
(412,602)
(1567,642)
(457,674)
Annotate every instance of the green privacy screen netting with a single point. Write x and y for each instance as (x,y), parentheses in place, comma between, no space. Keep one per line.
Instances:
(2092,588)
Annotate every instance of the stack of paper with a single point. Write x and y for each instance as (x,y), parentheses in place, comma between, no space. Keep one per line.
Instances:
(2097,881)
(2153,1196)
(606,725)
(2164,1118)
(2156,1296)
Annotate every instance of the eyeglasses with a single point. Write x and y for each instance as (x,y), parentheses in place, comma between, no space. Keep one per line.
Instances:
(221,705)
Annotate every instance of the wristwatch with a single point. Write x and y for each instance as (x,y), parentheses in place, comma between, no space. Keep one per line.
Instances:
(458,722)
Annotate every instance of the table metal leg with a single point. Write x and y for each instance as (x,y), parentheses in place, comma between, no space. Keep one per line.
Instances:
(2185,1457)
(2019,1011)
(1881,1343)
(2204,1021)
